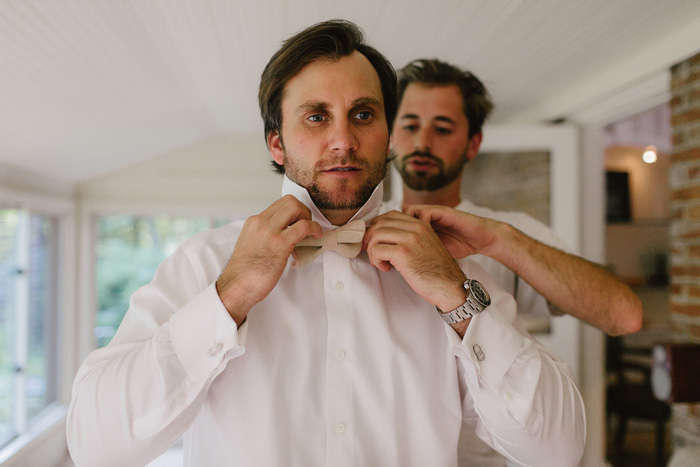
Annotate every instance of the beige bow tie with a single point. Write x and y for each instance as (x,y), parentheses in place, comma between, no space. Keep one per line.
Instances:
(346,240)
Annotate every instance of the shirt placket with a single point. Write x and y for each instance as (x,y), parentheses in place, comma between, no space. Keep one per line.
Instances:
(339,382)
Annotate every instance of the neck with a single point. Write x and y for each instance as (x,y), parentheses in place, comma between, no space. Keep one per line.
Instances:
(338,216)
(448,195)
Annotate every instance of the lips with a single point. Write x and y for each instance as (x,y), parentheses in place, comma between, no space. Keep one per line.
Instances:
(343,169)
(421,163)
(343,165)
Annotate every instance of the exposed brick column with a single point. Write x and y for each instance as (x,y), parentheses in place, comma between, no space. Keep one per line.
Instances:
(684,183)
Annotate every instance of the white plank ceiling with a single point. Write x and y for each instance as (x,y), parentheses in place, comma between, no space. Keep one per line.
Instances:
(89,86)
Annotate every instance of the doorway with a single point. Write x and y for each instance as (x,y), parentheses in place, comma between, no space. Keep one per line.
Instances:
(638,250)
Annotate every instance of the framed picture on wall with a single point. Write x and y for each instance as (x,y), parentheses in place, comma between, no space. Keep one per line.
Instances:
(517,181)
(617,189)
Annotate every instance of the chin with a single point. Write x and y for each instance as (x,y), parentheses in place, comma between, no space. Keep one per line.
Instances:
(338,205)
(340,199)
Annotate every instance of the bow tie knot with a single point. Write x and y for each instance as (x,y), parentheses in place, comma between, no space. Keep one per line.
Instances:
(346,240)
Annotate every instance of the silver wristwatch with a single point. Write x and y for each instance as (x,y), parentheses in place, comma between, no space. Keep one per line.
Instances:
(477,301)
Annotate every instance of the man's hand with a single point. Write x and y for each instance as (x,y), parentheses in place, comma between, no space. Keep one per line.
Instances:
(261,253)
(462,234)
(413,248)
(570,283)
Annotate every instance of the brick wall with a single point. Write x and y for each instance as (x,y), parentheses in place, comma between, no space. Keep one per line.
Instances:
(684,184)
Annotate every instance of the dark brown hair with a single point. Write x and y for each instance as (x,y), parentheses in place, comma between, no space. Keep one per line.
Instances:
(331,39)
(477,103)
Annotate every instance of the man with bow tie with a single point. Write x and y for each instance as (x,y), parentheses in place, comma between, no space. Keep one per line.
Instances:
(263,350)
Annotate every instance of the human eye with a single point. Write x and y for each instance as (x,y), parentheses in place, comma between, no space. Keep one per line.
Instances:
(410,128)
(364,115)
(316,118)
(443,131)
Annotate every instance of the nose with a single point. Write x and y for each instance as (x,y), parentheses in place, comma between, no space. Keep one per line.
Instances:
(422,140)
(343,138)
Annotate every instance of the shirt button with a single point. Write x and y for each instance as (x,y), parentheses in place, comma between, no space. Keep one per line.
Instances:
(180,396)
(340,355)
(215,349)
(339,286)
(340,428)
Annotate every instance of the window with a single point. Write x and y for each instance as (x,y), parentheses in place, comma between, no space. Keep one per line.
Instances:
(129,249)
(28,318)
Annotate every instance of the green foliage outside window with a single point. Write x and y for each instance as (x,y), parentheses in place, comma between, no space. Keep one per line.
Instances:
(129,250)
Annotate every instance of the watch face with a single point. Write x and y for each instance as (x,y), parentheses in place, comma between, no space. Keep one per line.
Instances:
(480,293)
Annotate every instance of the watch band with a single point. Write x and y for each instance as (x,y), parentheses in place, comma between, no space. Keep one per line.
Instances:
(478,300)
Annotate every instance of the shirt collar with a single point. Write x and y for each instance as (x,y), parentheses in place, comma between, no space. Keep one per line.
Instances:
(367,212)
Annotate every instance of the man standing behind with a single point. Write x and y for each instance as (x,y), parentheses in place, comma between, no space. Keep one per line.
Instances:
(342,360)
(438,129)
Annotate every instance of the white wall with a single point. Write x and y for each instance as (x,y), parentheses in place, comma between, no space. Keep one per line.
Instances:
(223,175)
(593,247)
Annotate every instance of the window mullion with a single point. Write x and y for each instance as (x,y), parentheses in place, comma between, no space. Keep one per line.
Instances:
(19,405)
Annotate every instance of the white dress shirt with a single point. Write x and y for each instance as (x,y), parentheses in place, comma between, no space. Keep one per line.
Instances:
(340,365)
(533,309)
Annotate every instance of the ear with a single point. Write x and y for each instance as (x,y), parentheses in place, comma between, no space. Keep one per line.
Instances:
(392,141)
(473,146)
(274,143)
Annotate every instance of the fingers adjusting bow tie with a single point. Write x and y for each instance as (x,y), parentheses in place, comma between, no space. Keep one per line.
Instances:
(346,240)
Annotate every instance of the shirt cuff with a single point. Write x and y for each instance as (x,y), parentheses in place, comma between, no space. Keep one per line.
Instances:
(203,334)
(491,343)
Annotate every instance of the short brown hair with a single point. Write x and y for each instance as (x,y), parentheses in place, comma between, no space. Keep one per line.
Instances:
(329,39)
(477,103)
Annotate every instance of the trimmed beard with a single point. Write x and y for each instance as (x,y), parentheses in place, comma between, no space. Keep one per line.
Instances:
(329,201)
(423,181)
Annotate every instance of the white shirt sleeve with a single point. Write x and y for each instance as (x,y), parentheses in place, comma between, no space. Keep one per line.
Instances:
(133,399)
(520,398)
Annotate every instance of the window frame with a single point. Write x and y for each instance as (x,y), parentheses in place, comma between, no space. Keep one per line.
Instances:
(58,203)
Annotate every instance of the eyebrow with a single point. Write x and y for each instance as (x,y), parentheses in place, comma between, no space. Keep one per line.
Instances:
(367,101)
(320,106)
(312,107)
(440,118)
